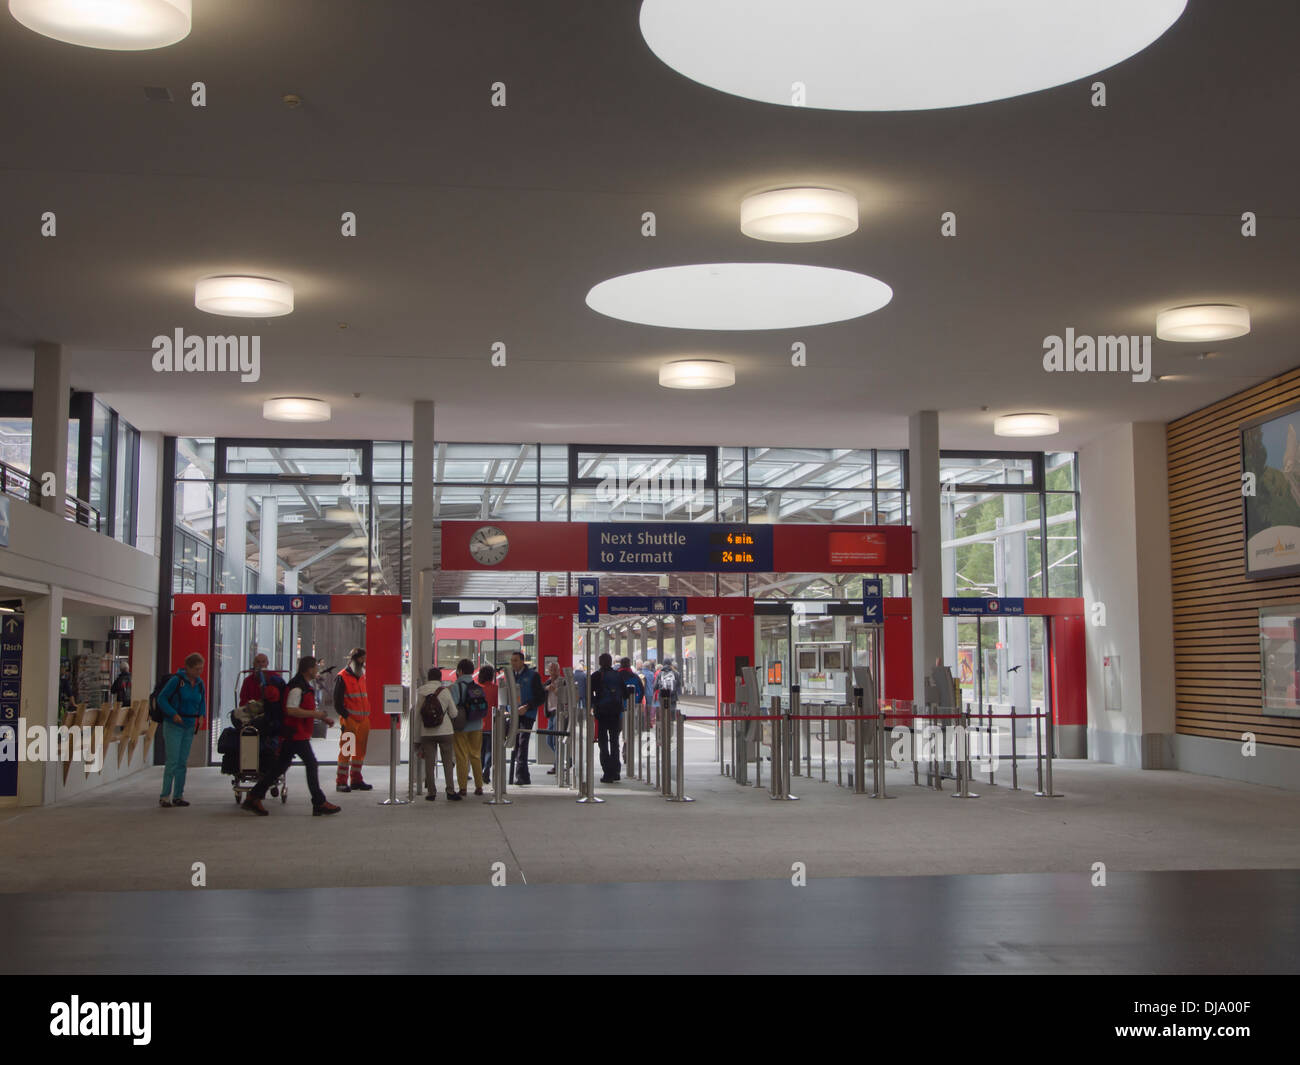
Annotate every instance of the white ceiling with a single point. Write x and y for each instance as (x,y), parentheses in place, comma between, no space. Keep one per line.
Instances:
(481,224)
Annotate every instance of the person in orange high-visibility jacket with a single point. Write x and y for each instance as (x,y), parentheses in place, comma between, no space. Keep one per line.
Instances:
(353,707)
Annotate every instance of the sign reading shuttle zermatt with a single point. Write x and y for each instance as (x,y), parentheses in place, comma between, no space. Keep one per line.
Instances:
(674,547)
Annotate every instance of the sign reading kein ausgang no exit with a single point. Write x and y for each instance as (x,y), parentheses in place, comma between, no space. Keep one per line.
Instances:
(675,547)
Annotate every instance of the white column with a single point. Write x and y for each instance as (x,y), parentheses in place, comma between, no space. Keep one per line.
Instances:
(927,588)
(421,542)
(268,544)
(38,781)
(50,387)
(148,533)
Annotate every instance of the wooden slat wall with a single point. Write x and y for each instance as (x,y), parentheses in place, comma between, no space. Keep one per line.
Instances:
(1216,608)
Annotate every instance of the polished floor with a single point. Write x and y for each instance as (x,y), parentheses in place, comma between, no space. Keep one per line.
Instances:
(1139,923)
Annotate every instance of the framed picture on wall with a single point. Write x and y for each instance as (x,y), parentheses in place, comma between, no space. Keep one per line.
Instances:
(1279,635)
(1270,493)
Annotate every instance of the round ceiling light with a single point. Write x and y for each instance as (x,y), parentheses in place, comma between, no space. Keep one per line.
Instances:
(739,296)
(697,373)
(1026,425)
(897,55)
(799,215)
(1209,321)
(295,409)
(244,297)
(119,25)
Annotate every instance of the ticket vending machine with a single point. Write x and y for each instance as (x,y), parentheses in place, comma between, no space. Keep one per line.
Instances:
(822,670)
(748,733)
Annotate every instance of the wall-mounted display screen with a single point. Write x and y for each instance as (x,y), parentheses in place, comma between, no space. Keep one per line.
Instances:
(1270,458)
(1279,635)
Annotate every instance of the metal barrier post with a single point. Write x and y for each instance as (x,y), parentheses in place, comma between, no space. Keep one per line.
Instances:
(666,753)
(681,795)
(794,731)
(394,756)
(839,746)
(1015,776)
(1050,793)
(961,758)
(588,792)
(1038,752)
(498,753)
(859,745)
(993,742)
(774,785)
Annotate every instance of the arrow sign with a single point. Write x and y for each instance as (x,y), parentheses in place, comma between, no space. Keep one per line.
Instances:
(677,606)
(11,625)
(588,610)
(873,601)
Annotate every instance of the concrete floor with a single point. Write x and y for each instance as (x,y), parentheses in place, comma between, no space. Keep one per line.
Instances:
(118,839)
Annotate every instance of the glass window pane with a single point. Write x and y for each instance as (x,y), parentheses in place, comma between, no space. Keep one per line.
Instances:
(293,461)
(891,508)
(606,504)
(386,462)
(485,464)
(986,469)
(731,465)
(1063,577)
(889,469)
(503,502)
(100,449)
(555,463)
(785,467)
(805,507)
(1059,467)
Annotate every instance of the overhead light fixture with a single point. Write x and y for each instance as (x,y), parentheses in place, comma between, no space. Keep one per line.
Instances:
(897,55)
(697,373)
(119,25)
(295,409)
(739,296)
(799,215)
(1026,425)
(244,297)
(1205,321)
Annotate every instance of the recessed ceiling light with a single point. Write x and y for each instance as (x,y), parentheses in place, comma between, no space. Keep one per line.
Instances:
(739,296)
(1026,425)
(295,409)
(897,55)
(697,373)
(244,297)
(799,215)
(1206,321)
(119,25)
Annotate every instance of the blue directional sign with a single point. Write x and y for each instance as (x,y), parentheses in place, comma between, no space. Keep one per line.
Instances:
(970,606)
(11,693)
(873,601)
(287,604)
(588,586)
(588,600)
(648,604)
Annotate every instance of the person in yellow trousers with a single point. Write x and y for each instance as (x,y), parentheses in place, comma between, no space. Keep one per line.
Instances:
(353,707)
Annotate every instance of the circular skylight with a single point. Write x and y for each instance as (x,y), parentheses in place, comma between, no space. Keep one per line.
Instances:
(897,55)
(739,296)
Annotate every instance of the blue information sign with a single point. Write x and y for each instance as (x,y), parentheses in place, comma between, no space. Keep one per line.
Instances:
(588,600)
(873,601)
(679,547)
(648,604)
(287,604)
(971,606)
(11,691)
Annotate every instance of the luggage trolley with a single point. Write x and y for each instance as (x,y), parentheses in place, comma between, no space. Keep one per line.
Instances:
(249,733)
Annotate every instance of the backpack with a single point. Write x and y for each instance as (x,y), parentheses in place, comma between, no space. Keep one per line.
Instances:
(431,712)
(474,702)
(156,712)
(273,720)
(610,698)
(668,682)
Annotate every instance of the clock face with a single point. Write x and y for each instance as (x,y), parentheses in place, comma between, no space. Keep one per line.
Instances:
(488,545)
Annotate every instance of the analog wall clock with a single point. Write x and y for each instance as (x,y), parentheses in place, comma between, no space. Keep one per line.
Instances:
(488,545)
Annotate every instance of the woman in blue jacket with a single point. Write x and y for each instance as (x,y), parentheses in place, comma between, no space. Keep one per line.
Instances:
(182,704)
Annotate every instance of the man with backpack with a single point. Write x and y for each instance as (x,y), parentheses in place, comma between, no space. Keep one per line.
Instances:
(299,713)
(668,685)
(532,694)
(471,706)
(436,713)
(608,692)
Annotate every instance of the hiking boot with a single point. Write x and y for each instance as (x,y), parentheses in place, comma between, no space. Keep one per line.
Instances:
(361,785)
(325,808)
(164,801)
(342,787)
(255,806)
(179,802)
(454,796)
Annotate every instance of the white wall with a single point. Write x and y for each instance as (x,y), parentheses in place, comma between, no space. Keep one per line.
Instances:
(1125,545)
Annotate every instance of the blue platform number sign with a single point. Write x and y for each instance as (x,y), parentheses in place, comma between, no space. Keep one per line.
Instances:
(11,690)
(588,600)
(873,601)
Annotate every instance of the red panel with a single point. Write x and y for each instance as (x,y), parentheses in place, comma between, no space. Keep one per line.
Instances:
(1069,670)
(896,654)
(383,660)
(187,639)
(554,637)
(811,548)
(534,545)
(735,639)
(365,604)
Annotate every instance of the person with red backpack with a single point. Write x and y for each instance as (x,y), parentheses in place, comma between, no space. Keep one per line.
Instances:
(435,715)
